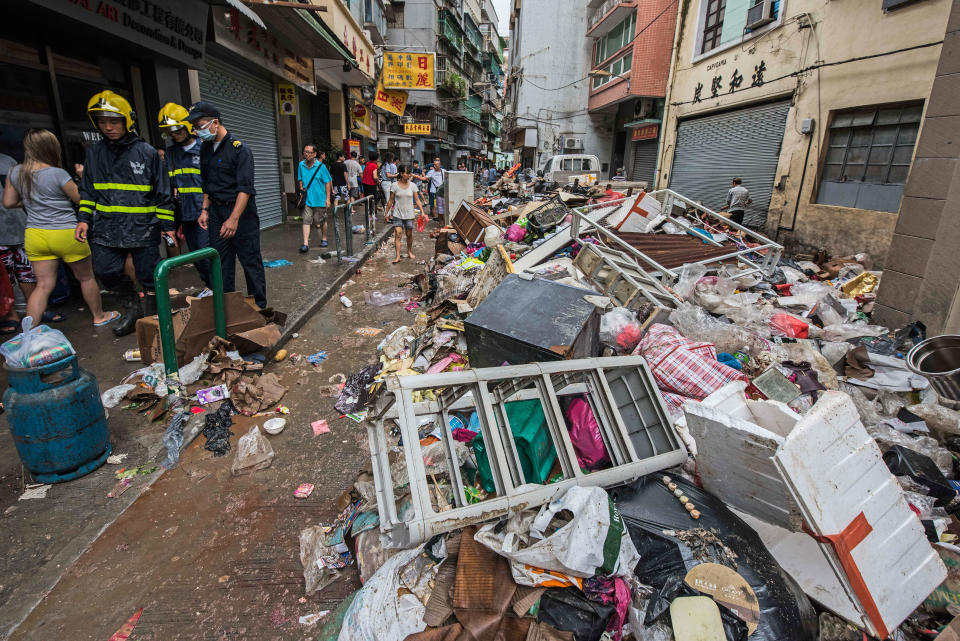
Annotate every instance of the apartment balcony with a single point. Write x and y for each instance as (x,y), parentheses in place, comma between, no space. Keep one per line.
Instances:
(608,15)
(448,29)
(474,39)
(470,109)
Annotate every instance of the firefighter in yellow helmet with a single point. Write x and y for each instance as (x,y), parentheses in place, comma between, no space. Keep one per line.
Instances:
(183,165)
(125,202)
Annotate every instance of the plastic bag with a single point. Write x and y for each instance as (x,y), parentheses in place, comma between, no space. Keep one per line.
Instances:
(379,613)
(938,418)
(567,609)
(846,331)
(673,544)
(515,233)
(696,324)
(690,273)
(316,574)
(592,542)
(421,221)
(35,346)
(789,326)
(114,395)
(370,553)
(619,329)
(491,236)
(173,439)
(355,394)
(886,436)
(386,296)
(254,452)
(585,436)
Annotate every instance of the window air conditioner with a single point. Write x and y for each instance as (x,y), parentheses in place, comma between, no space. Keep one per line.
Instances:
(573,144)
(759,14)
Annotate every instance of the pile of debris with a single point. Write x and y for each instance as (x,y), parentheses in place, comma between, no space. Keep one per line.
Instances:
(636,419)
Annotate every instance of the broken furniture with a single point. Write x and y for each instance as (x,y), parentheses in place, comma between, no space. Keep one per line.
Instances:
(529,320)
(816,490)
(631,417)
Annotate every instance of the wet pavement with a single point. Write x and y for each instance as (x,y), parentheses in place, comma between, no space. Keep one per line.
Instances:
(41,538)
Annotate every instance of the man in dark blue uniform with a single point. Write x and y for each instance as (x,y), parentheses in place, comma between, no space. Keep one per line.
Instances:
(229,210)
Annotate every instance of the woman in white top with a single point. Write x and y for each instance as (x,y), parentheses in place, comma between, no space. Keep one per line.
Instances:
(404,199)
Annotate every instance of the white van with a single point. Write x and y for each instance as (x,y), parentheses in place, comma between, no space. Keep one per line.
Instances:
(560,168)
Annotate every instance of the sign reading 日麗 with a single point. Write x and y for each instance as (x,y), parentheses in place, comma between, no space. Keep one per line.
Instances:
(409,71)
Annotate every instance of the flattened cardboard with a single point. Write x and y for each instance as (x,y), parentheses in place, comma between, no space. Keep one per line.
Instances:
(193,327)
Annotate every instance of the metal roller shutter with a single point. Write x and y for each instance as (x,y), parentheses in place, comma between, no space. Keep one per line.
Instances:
(712,150)
(248,106)
(644,161)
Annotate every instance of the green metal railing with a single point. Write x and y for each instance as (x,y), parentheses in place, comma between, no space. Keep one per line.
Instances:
(346,213)
(450,30)
(165,315)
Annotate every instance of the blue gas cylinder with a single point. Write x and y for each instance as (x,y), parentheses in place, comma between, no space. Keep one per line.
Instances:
(57,420)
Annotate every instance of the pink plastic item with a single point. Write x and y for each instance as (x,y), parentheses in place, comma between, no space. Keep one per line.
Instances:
(789,326)
(585,436)
(515,233)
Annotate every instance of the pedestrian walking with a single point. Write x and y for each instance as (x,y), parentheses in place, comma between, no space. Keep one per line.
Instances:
(125,206)
(435,176)
(353,175)
(183,167)
(341,180)
(314,180)
(370,179)
(738,197)
(404,199)
(388,175)
(492,175)
(229,211)
(47,194)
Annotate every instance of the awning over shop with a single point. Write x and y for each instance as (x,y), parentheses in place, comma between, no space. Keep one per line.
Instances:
(244,10)
(312,37)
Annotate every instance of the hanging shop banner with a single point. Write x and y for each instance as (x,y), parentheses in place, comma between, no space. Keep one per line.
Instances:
(246,38)
(416,128)
(351,146)
(287,98)
(359,115)
(408,70)
(646,132)
(173,28)
(390,100)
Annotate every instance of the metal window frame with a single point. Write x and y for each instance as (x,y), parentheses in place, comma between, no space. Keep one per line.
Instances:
(613,384)
(712,34)
(873,127)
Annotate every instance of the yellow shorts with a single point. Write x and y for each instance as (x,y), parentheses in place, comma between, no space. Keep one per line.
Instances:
(51,244)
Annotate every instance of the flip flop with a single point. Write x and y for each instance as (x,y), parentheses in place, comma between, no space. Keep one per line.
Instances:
(114,315)
(9,327)
(53,317)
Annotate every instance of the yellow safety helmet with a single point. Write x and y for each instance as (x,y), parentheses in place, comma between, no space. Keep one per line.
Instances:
(173,116)
(107,103)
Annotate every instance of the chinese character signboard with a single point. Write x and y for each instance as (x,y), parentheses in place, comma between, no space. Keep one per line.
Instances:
(391,100)
(647,132)
(408,71)
(287,99)
(359,115)
(416,128)
(244,37)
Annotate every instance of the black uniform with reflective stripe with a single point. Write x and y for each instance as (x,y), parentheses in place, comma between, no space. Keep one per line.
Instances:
(125,194)
(226,170)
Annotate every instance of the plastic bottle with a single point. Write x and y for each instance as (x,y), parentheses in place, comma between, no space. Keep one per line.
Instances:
(346,301)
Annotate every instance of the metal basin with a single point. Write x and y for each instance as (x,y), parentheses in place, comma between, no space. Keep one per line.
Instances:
(938,360)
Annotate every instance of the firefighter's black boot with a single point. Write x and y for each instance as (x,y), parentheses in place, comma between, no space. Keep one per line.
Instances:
(131,309)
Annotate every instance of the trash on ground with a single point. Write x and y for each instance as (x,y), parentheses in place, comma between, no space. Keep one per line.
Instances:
(254,452)
(303,490)
(34,491)
(279,262)
(274,425)
(320,427)
(213,394)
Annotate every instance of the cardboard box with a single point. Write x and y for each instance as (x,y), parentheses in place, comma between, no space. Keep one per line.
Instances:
(193,327)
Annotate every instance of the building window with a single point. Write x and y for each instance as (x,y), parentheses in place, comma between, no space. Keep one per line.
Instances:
(617,68)
(395,15)
(618,38)
(869,151)
(713,25)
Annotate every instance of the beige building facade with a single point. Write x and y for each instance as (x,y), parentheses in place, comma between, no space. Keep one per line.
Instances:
(816,105)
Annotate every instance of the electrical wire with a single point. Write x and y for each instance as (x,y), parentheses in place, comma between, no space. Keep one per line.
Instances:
(818,66)
(635,36)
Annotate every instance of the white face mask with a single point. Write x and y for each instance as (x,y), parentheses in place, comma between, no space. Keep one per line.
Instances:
(204,132)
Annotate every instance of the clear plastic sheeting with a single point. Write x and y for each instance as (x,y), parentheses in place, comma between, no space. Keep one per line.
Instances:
(254,452)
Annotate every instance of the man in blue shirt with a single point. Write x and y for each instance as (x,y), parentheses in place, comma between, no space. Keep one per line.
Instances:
(314,179)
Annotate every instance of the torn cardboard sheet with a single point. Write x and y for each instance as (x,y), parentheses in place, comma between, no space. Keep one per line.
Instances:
(251,395)
(193,327)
